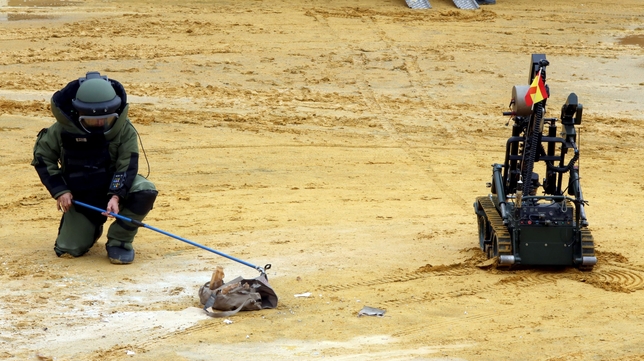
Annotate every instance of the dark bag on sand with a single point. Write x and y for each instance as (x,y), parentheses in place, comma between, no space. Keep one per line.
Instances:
(237,295)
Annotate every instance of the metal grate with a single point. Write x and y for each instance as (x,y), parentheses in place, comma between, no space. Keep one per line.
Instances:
(466,4)
(418,4)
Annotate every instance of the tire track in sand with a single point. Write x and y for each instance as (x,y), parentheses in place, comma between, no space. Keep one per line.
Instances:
(371,100)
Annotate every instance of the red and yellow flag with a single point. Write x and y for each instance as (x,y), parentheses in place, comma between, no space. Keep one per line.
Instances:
(537,91)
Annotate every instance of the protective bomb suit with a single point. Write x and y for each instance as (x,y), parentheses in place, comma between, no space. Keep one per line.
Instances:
(91,155)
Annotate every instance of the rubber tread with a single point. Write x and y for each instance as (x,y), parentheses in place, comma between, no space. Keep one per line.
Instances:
(504,241)
(587,247)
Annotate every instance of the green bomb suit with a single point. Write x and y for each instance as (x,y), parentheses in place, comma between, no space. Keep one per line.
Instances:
(93,166)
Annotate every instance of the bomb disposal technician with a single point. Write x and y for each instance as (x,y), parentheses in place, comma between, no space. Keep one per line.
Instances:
(91,154)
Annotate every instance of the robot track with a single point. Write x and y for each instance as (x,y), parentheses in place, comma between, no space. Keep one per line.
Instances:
(587,248)
(495,237)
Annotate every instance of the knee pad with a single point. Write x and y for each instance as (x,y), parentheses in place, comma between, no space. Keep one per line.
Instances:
(141,202)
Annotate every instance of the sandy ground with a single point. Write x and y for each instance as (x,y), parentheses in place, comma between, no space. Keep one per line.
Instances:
(342,142)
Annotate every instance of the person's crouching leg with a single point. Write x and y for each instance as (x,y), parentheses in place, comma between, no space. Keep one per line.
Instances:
(76,234)
(121,233)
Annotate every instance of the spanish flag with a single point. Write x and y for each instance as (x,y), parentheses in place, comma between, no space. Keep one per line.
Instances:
(537,91)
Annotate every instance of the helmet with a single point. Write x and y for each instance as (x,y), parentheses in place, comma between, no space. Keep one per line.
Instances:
(97,103)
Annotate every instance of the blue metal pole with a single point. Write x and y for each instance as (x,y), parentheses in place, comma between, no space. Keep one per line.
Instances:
(141,224)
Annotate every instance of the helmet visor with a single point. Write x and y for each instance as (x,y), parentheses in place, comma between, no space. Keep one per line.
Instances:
(93,123)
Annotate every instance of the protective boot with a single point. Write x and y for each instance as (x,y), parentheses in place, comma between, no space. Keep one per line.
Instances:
(120,252)
(120,237)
